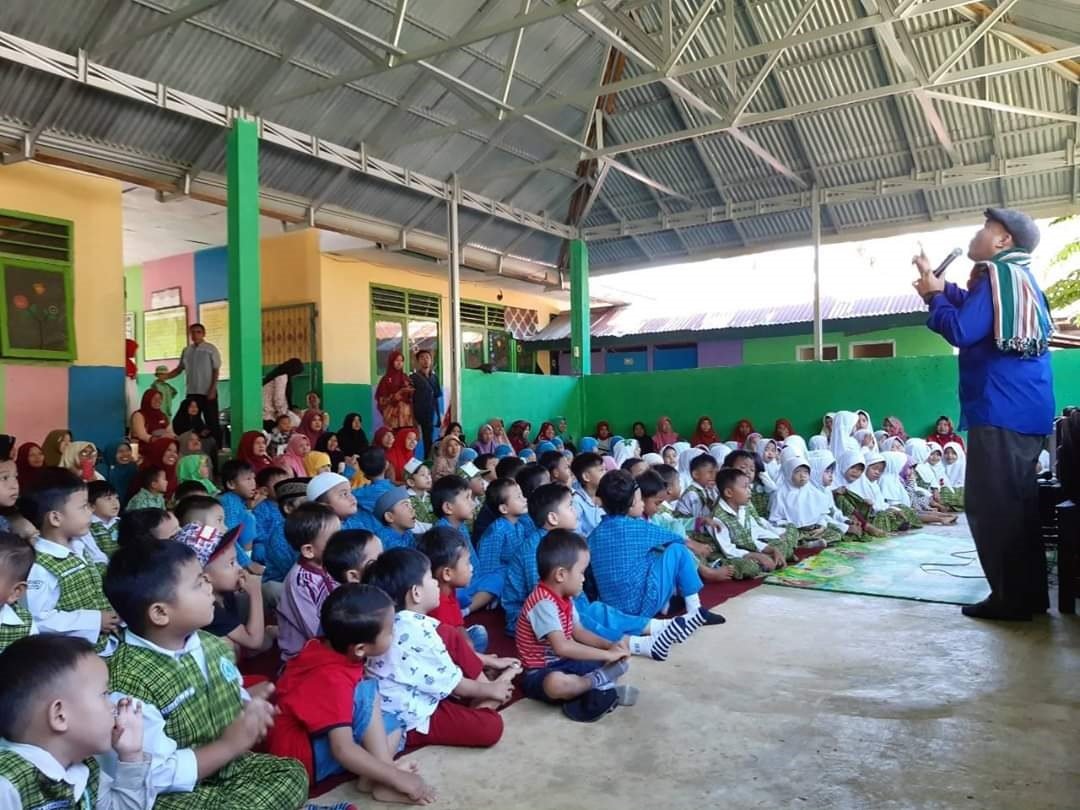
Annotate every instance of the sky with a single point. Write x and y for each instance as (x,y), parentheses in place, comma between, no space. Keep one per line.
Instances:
(852,269)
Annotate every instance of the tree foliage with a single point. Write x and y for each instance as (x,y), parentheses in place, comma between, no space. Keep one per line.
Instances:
(1066,290)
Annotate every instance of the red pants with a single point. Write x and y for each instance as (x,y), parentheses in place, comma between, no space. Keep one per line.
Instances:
(454,723)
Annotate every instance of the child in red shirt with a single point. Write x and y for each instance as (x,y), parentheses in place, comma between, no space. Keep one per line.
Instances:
(452,568)
(329,716)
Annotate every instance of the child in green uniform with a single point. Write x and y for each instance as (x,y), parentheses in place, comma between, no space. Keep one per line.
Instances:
(799,504)
(747,462)
(201,723)
(955,463)
(16,560)
(861,499)
(152,483)
(418,481)
(747,542)
(55,717)
(64,592)
(105,520)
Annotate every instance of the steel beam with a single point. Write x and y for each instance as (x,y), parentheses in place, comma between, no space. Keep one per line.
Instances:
(678,49)
(395,29)
(454,261)
(815,240)
(998,106)
(511,62)
(182,14)
(972,39)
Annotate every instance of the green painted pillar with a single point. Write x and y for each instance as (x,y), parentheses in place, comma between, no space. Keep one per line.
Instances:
(245,297)
(580,337)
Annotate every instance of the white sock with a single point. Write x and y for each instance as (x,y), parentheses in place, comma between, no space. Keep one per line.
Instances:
(693,603)
(657,626)
(641,645)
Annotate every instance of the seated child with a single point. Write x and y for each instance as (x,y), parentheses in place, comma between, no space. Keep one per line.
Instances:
(860,499)
(896,494)
(744,543)
(750,465)
(185,489)
(200,722)
(217,555)
(64,593)
(55,719)
(452,501)
(196,468)
(307,584)
(418,481)
(238,481)
(822,478)
(267,514)
(334,491)
(274,550)
(588,469)
(418,680)
(486,464)
(16,560)
(508,466)
(105,520)
(348,553)
(373,466)
(954,460)
(450,566)
(658,509)
(798,503)
(551,507)
(767,477)
(279,436)
(330,717)
(638,567)
(143,524)
(9,488)
(928,482)
(152,485)
(558,467)
(564,663)
(505,534)
(203,509)
(394,510)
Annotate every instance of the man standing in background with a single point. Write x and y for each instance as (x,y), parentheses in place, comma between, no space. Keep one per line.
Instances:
(426,397)
(202,362)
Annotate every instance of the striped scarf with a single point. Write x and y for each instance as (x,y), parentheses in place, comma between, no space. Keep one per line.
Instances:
(1021,317)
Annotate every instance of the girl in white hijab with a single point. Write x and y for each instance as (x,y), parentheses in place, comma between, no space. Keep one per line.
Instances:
(652,459)
(953,468)
(892,487)
(685,457)
(891,444)
(860,499)
(866,440)
(800,504)
(627,448)
(862,421)
(719,451)
(669,454)
(818,442)
(823,478)
(842,439)
(797,442)
(827,424)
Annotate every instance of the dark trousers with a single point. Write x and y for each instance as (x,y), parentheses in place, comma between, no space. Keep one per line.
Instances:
(426,421)
(209,408)
(1001,498)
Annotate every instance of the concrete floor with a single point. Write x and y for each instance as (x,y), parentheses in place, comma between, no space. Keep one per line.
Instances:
(806,699)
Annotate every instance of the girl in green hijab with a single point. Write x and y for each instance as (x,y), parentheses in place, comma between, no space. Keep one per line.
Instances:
(196,467)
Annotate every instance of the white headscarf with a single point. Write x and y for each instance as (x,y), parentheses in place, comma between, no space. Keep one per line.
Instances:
(862,435)
(890,484)
(818,442)
(681,446)
(652,459)
(627,448)
(719,451)
(755,439)
(941,475)
(919,451)
(798,442)
(804,505)
(841,440)
(791,452)
(868,490)
(848,460)
(685,457)
(820,461)
(869,421)
(825,429)
(891,443)
(954,473)
(770,477)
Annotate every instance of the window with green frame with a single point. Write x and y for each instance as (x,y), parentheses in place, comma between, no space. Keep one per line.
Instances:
(36,301)
(486,340)
(405,321)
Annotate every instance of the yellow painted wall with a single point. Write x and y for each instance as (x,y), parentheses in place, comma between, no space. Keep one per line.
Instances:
(289,266)
(345,307)
(93,205)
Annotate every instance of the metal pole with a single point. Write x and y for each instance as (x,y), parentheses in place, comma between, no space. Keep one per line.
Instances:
(454,260)
(815,235)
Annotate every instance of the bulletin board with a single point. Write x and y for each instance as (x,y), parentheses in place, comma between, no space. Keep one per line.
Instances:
(164,333)
(214,315)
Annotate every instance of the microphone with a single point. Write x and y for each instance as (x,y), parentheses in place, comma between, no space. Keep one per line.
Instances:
(941,268)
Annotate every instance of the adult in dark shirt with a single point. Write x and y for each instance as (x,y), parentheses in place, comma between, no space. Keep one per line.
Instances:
(426,397)
(1001,325)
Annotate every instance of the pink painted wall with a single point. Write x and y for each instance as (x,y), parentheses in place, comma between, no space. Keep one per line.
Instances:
(28,414)
(160,274)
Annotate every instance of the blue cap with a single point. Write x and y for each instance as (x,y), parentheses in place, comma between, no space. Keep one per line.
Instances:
(388,500)
(526,453)
(1022,228)
(588,445)
(544,447)
(466,455)
(503,450)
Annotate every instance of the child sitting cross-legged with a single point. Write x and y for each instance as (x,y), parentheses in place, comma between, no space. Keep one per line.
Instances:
(307,584)
(55,719)
(16,560)
(348,554)
(105,518)
(638,567)
(217,553)
(152,483)
(397,518)
(745,542)
(452,500)
(64,592)
(200,722)
(145,524)
(418,481)
(800,504)
(437,702)
(565,663)
(330,717)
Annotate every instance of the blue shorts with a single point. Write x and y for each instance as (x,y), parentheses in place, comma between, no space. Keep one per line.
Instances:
(532,682)
(365,699)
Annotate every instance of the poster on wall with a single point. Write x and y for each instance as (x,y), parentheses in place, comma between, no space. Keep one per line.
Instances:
(35,311)
(164,333)
(165,299)
(129,325)
(214,315)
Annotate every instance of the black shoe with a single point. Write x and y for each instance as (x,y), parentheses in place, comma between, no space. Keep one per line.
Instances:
(591,706)
(989,609)
(711,619)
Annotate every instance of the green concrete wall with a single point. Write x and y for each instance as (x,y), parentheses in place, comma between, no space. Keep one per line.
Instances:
(916,389)
(911,341)
(535,397)
(342,398)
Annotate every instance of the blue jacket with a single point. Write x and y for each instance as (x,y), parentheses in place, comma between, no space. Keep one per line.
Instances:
(997,388)
(271,547)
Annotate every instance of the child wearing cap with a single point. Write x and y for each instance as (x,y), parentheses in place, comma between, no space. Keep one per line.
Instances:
(161,385)
(277,555)
(395,512)
(418,480)
(307,584)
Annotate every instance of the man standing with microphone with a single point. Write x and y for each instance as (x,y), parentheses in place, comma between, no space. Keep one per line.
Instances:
(1001,325)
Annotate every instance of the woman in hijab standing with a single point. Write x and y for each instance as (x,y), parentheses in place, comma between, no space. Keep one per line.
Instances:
(394,394)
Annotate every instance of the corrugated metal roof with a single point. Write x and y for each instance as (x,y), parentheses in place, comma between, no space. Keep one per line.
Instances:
(640,320)
(251,53)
